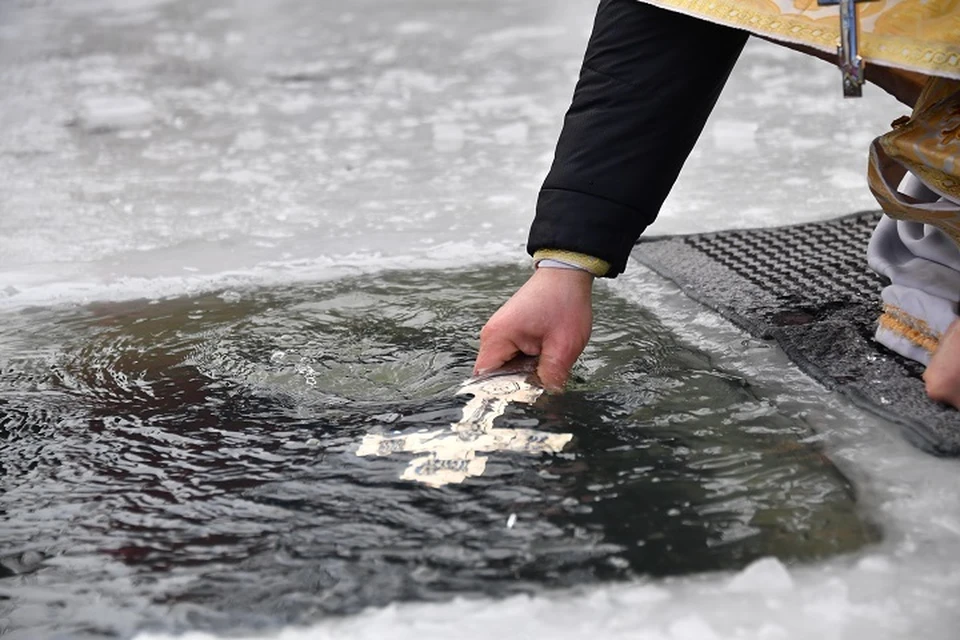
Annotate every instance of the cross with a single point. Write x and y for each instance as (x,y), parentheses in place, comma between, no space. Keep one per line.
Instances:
(451,453)
(848,54)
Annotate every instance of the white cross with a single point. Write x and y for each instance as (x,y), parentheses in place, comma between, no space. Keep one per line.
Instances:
(451,453)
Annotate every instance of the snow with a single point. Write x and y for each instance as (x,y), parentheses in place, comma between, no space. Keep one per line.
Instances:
(735,135)
(110,113)
(242,146)
(512,134)
(447,137)
(761,576)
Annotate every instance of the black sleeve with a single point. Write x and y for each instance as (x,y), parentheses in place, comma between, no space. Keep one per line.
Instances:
(649,80)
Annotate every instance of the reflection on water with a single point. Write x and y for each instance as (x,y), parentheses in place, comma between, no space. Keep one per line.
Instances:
(193,462)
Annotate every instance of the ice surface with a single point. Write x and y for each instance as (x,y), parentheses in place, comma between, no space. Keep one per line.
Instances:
(302,141)
(224,131)
(110,113)
(764,575)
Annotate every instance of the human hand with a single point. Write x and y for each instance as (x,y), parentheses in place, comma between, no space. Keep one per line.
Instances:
(550,316)
(943,373)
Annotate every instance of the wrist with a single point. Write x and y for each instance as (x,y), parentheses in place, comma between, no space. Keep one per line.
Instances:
(565,278)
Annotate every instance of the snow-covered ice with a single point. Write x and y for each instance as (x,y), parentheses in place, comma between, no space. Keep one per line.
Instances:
(763,576)
(226,143)
(111,113)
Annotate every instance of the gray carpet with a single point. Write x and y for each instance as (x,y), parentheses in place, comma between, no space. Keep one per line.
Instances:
(808,288)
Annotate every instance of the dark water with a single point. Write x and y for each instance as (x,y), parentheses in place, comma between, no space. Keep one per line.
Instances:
(190,463)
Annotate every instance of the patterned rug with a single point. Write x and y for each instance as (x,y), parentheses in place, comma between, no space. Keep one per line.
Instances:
(808,288)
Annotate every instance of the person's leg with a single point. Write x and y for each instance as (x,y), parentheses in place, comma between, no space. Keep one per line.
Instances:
(920,307)
(914,172)
(923,266)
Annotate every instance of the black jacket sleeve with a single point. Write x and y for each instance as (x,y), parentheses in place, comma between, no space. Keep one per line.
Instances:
(649,80)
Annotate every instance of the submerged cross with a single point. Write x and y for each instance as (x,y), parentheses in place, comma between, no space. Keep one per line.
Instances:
(451,453)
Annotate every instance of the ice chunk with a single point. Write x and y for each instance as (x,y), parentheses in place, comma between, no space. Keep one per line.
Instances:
(735,135)
(447,136)
(691,628)
(875,564)
(832,602)
(515,133)
(412,27)
(250,140)
(771,631)
(385,55)
(295,104)
(111,113)
(843,178)
(762,576)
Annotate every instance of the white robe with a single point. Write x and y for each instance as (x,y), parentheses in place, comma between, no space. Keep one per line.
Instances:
(923,265)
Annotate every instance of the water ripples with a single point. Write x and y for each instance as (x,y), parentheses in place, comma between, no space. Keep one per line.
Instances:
(192,462)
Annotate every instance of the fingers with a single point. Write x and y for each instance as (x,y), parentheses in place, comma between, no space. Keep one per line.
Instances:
(553,373)
(553,368)
(495,350)
(491,358)
(942,376)
(549,316)
(559,354)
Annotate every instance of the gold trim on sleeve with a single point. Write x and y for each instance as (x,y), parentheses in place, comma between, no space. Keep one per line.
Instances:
(596,266)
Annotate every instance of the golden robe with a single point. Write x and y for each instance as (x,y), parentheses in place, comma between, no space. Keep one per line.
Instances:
(914,35)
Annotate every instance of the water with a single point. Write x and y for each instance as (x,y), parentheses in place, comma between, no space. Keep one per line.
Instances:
(191,462)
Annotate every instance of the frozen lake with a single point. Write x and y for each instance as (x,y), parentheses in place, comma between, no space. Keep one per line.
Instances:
(228,230)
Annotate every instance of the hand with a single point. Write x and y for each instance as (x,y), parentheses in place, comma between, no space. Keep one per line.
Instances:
(943,373)
(550,316)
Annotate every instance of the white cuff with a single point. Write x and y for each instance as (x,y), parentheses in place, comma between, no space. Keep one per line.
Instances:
(550,263)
